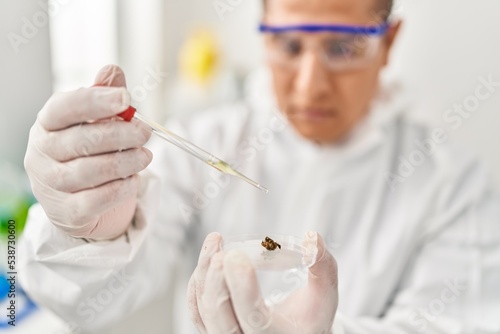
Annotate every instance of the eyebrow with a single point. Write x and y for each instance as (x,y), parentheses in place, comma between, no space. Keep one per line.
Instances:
(350,29)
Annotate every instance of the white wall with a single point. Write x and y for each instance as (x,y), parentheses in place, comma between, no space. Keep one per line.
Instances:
(444,48)
(83,38)
(25,76)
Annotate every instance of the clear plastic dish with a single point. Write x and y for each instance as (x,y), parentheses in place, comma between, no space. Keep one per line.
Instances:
(279,271)
(293,253)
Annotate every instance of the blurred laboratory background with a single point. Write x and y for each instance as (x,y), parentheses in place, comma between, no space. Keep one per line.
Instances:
(183,56)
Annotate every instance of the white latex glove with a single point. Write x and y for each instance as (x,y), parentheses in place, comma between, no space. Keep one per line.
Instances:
(82,164)
(224,296)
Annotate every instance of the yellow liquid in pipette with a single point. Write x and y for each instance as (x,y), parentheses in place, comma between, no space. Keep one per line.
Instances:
(227,169)
(223,167)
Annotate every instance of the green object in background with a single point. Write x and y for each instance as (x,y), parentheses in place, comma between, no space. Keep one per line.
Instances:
(15,199)
(17,211)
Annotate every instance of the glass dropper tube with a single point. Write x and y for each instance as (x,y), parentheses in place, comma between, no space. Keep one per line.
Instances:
(196,151)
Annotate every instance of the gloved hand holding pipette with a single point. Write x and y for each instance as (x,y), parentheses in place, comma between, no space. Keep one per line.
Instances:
(84,173)
(71,147)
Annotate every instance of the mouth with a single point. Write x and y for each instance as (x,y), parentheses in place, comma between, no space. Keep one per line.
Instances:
(313,114)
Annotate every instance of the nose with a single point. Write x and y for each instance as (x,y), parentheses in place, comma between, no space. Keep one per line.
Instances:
(312,77)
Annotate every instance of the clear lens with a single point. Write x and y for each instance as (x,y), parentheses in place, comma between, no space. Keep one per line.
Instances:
(338,51)
(287,46)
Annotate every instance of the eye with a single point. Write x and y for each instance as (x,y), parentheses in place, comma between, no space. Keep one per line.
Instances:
(337,49)
(293,47)
(348,48)
(289,46)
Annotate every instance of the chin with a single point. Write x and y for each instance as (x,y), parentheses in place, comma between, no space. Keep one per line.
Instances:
(319,133)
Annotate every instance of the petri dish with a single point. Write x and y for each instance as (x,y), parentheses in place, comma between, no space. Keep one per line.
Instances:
(280,271)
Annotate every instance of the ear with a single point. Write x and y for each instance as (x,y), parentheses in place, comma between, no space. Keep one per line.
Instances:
(389,39)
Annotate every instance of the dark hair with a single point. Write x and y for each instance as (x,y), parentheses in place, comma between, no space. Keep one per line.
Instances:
(383,8)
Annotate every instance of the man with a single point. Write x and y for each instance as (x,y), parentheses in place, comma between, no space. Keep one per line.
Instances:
(416,252)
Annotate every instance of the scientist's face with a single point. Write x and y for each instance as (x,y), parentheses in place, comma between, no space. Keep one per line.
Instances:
(323,101)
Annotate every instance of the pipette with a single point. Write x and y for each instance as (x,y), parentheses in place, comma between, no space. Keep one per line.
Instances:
(188,147)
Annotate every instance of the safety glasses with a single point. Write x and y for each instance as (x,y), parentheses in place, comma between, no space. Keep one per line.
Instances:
(340,47)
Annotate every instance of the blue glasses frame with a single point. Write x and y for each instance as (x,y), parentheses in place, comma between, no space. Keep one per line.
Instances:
(375,30)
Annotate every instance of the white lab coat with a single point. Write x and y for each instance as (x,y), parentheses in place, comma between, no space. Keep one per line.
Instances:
(417,253)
